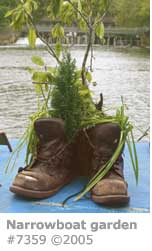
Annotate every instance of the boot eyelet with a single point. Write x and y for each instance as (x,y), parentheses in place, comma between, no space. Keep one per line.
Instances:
(115,141)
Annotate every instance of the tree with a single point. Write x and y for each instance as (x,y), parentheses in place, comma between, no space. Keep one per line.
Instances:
(131,13)
(144,12)
(88,15)
(6,5)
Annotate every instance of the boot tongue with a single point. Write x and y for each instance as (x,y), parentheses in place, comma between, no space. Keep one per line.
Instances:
(46,150)
(49,129)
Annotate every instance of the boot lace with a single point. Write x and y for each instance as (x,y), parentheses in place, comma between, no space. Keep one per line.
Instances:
(57,156)
(100,159)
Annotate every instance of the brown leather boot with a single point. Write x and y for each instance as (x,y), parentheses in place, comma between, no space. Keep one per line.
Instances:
(112,189)
(53,166)
(83,153)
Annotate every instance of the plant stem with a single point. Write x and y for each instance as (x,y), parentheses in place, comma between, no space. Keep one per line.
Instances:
(144,134)
(90,32)
(48,96)
(83,72)
(45,99)
(49,48)
(105,12)
(80,13)
(91,58)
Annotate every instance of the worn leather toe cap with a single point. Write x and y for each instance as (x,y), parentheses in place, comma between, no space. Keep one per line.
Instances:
(110,187)
(34,181)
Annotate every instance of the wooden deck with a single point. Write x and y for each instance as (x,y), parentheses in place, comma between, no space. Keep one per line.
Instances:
(140,195)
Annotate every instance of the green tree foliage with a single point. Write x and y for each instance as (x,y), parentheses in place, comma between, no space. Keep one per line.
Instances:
(66,101)
(86,14)
(71,100)
(6,5)
(144,12)
(42,12)
(131,13)
(126,13)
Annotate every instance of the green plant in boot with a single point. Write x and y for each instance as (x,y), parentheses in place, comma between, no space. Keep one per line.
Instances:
(65,89)
(66,100)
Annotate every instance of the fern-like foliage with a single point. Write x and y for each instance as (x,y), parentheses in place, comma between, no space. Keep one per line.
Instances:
(66,100)
(71,100)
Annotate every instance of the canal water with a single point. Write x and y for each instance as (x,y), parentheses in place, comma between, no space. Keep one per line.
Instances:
(118,72)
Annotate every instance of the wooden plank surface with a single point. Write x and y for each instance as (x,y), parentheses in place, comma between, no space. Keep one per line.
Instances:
(139,203)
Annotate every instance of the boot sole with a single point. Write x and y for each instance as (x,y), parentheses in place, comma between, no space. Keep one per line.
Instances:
(111,200)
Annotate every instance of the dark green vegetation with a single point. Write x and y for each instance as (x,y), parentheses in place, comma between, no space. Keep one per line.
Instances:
(130,13)
(66,101)
(6,5)
(126,13)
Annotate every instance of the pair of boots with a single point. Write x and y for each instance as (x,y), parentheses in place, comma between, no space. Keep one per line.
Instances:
(57,162)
